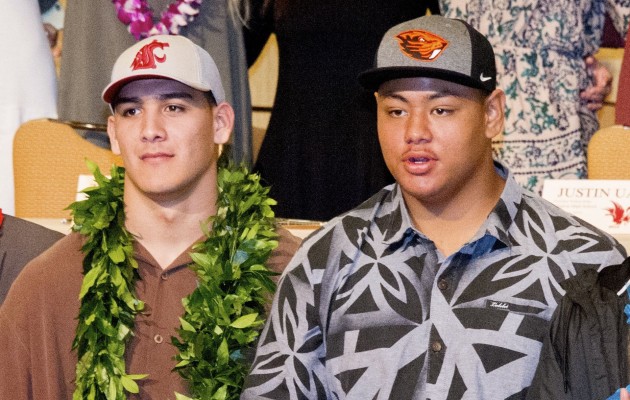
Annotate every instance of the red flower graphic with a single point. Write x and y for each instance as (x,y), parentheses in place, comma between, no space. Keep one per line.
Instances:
(618,213)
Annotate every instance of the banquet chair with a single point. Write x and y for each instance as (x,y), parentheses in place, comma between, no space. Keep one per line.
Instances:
(608,153)
(48,157)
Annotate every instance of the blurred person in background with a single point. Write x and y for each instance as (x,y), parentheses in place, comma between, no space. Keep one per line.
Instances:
(320,154)
(28,82)
(553,84)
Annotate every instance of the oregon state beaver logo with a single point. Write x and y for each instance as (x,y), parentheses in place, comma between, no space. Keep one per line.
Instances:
(146,57)
(421,45)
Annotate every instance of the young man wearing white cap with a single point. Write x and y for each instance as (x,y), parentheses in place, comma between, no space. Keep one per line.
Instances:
(122,277)
(441,286)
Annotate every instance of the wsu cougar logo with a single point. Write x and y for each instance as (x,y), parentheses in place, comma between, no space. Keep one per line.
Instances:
(146,57)
(421,45)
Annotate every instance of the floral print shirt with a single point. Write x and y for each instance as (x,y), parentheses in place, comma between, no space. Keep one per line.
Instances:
(540,48)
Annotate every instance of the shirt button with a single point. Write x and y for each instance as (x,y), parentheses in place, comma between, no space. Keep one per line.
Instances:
(436,346)
(158,339)
(442,284)
(164,275)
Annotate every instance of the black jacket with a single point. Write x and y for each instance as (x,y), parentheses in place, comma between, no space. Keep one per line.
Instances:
(585,355)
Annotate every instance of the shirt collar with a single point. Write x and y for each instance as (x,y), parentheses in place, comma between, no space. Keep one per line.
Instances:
(183,260)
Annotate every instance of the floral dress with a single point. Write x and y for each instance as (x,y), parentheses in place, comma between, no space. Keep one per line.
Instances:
(540,46)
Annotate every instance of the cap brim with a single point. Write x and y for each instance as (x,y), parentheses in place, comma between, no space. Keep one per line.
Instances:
(373,78)
(112,89)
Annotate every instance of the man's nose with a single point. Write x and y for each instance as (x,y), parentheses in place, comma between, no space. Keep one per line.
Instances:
(417,129)
(152,127)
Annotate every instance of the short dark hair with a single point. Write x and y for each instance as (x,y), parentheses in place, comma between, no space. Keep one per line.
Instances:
(210,97)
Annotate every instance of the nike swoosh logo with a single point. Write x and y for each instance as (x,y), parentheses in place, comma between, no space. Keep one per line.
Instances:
(484,78)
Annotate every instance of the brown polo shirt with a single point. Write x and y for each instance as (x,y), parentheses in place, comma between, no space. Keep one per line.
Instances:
(38,322)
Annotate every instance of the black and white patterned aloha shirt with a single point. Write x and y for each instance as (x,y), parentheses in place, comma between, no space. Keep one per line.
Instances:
(369,309)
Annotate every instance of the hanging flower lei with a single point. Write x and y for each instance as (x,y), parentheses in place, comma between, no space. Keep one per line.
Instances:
(138,17)
(222,317)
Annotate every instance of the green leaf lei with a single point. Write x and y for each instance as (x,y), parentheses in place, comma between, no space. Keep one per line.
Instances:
(222,317)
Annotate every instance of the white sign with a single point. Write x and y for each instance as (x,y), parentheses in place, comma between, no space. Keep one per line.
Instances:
(603,203)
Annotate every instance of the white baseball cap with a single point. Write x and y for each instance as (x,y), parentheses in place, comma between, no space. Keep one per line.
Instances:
(166,56)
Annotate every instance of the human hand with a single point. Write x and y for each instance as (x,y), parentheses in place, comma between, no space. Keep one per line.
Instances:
(281,255)
(595,94)
(51,34)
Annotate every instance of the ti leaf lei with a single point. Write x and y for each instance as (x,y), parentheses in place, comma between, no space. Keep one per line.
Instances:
(222,317)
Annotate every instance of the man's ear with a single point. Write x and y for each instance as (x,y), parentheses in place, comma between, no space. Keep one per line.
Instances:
(111,132)
(495,113)
(223,123)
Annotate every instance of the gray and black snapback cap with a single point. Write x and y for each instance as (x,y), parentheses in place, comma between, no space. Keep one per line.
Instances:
(436,47)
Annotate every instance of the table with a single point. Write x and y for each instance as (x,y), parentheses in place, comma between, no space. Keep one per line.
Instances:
(300,228)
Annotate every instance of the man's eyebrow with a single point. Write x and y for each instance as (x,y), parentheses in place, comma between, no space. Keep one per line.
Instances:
(443,93)
(121,99)
(175,95)
(162,96)
(393,95)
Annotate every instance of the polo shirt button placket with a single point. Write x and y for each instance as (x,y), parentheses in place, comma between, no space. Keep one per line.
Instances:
(158,338)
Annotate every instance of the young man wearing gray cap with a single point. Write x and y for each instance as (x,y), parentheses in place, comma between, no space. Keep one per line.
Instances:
(94,316)
(440,286)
